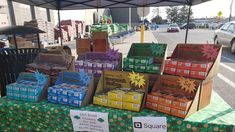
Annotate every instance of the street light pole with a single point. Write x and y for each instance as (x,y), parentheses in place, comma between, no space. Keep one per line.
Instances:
(186,36)
(231,8)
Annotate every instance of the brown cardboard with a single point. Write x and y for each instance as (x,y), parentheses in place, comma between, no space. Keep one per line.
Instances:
(193,52)
(100,35)
(200,96)
(100,45)
(90,90)
(122,81)
(83,45)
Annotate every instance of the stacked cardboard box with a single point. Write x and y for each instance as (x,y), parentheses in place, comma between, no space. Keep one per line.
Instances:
(45,26)
(72,88)
(21,43)
(27,88)
(95,62)
(116,89)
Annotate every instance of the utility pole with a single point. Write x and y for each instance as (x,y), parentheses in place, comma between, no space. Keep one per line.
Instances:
(231,8)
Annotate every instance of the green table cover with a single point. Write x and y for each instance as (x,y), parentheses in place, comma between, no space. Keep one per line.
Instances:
(47,117)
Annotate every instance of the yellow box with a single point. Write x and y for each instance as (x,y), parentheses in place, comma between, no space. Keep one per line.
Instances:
(115,104)
(131,106)
(101,100)
(133,97)
(116,95)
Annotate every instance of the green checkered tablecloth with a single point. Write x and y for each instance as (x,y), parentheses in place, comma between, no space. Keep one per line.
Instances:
(47,117)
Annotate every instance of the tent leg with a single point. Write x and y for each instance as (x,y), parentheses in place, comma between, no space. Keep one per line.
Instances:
(16,45)
(186,36)
(60,30)
(39,45)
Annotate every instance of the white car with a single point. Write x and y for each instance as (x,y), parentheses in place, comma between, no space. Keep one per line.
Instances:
(226,35)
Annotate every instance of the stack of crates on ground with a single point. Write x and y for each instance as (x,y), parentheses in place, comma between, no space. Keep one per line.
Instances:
(45,26)
(30,87)
(187,87)
(52,64)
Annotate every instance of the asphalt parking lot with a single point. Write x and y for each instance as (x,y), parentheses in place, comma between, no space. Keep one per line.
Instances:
(224,82)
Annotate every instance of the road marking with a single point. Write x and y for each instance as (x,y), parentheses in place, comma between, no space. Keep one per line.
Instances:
(227,67)
(226,58)
(231,83)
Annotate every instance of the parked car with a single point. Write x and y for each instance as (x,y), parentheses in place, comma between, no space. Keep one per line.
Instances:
(190,26)
(226,35)
(173,28)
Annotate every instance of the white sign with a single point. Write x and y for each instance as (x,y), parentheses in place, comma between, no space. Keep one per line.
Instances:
(149,124)
(143,11)
(3,20)
(89,121)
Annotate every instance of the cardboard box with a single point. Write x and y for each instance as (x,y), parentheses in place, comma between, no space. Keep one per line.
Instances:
(178,113)
(151,105)
(167,86)
(131,106)
(152,98)
(201,66)
(198,74)
(70,90)
(184,65)
(100,45)
(111,80)
(115,104)
(170,70)
(133,97)
(100,100)
(116,95)
(164,109)
(170,63)
(182,72)
(153,69)
(83,45)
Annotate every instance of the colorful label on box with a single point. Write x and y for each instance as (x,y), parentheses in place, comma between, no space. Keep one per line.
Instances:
(131,106)
(133,97)
(115,104)
(101,100)
(116,95)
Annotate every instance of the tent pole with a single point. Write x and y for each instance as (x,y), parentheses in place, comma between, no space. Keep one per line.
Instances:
(60,30)
(16,46)
(186,36)
(39,45)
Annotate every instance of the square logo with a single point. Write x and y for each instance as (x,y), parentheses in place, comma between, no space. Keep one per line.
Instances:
(137,124)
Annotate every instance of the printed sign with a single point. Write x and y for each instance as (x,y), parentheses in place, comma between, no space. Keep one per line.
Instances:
(149,124)
(89,121)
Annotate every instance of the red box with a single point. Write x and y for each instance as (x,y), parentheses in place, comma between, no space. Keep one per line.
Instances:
(170,63)
(184,65)
(198,74)
(201,66)
(150,105)
(181,104)
(182,72)
(164,109)
(170,70)
(152,98)
(178,113)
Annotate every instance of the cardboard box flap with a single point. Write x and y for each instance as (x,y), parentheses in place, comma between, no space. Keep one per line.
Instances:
(101,56)
(119,79)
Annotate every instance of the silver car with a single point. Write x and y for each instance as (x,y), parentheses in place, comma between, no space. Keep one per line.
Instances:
(226,35)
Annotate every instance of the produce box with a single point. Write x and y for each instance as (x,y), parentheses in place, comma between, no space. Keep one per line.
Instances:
(201,59)
(83,45)
(30,87)
(122,90)
(52,64)
(178,96)
(72,88)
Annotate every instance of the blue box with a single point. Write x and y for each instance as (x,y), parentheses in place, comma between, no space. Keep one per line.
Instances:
(77,93)
(62,91)
(52,90)
(23,97)
(63,99)
(32,98)
(16,96)
(10,95)
(52,98)
(75,102)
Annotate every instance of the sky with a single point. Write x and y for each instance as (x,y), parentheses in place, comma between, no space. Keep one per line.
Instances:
(207,9)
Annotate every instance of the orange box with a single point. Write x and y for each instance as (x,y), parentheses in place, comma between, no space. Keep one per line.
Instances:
(170,63)
(201,66)
(178,113)
(182,104)
(150,105)
(165,101)
(198,74)
(164,109)
(184,65)
(152,98)
(182,72)
(100,45)
(169,70)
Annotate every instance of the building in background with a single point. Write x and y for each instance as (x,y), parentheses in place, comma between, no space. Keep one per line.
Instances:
(125,15)
(4,20)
